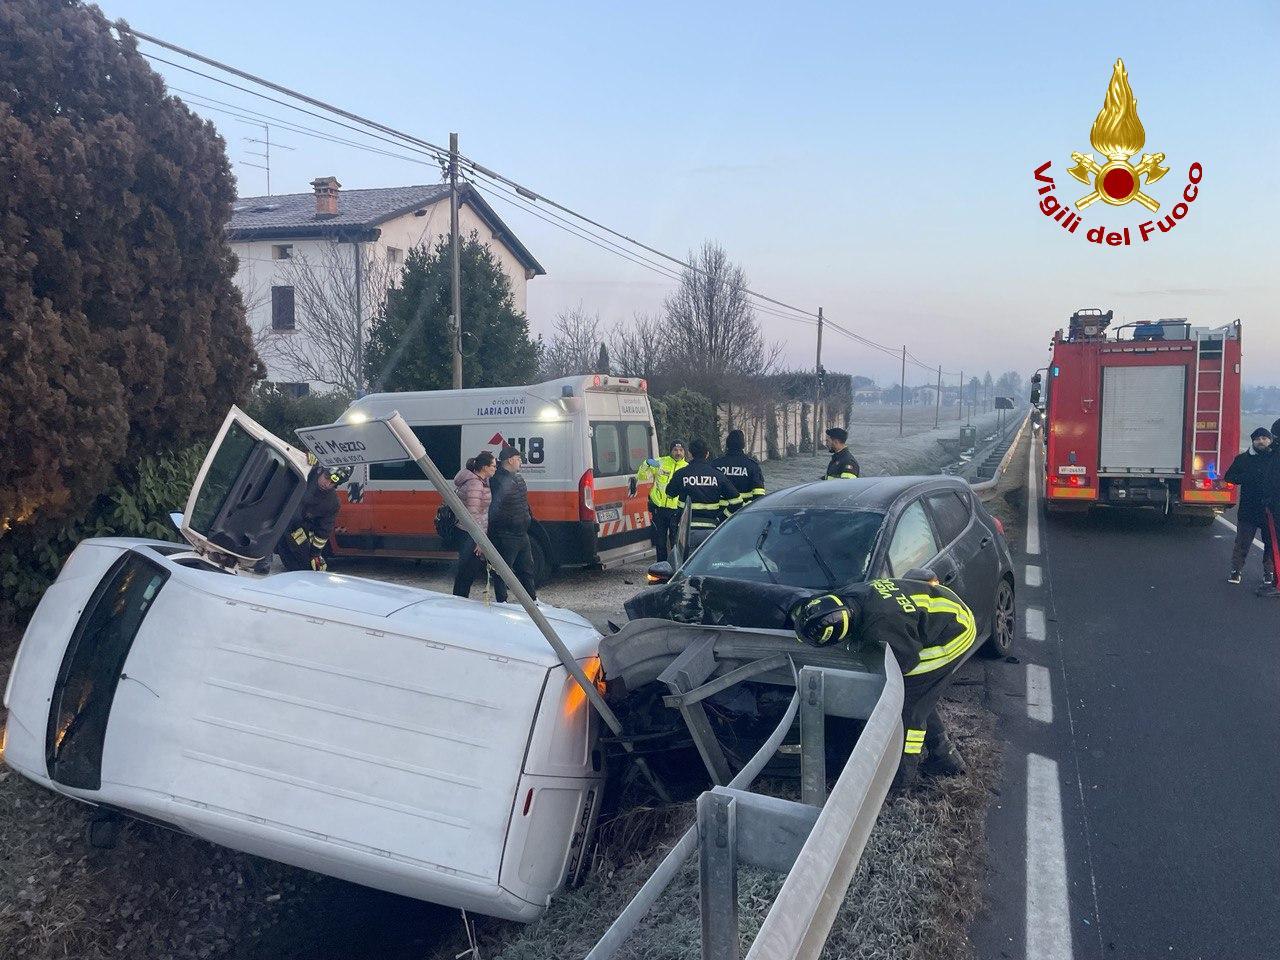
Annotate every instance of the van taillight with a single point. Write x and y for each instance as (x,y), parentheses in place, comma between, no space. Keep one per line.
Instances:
(587,498)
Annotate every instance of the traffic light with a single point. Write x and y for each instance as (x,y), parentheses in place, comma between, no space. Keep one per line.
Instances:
(1035,390)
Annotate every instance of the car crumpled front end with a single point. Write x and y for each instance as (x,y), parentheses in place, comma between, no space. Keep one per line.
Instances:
(720,601)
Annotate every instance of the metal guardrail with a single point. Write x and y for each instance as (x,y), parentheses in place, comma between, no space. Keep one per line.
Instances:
(1005,460)
(818,845)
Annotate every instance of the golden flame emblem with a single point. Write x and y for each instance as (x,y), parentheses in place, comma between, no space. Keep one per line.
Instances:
(1118,134)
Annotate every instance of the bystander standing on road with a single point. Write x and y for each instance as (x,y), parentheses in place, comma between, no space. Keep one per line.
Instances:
(1271,504)
(742,471)
(472,482)
(509,521)
(1251,471)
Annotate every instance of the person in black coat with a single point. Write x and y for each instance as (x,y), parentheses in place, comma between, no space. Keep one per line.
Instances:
(302,547)
(509,522)
(1251,471)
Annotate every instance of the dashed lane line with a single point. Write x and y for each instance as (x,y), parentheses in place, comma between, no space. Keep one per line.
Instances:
(1033,575)
(1035,623)
(1048,935)
(1039,694)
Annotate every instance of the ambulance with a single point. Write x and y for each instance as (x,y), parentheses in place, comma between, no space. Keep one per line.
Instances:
(583,439)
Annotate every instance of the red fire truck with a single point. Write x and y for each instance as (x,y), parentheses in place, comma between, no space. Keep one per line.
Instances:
(1145,414)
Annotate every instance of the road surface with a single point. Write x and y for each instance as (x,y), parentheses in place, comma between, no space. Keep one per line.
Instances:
(1140,812)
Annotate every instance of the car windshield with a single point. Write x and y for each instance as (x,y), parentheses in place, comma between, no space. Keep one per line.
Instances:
(812,548)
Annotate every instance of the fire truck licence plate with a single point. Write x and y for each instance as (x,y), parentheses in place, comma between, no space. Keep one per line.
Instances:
(1078,471)
(612,512)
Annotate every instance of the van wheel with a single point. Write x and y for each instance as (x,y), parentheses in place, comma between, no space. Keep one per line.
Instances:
(1003,618)
(541,563)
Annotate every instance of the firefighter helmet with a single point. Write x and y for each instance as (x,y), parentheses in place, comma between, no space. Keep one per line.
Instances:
(823,620)
(339,475)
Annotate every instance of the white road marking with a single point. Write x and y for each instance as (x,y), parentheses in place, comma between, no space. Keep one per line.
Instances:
(1048,911)
(1033,501)
(1033,575)
(1035,623)
(1039,693)
(1227,523)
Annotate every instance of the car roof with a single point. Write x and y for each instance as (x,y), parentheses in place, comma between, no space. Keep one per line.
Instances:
(865,493)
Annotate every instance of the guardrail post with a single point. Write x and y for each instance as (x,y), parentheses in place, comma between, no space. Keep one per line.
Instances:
(813,744)
(718,875)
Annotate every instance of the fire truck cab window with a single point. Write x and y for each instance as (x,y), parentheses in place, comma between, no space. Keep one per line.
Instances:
(913,543)
(950,513)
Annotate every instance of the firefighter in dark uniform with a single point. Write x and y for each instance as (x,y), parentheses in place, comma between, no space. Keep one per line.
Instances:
(711,497)
(843,465)
(302,546)
(741,470)
(931,633)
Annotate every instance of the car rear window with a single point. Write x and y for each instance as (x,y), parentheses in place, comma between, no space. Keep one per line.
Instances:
(91,668)
(951,514)
(814,549)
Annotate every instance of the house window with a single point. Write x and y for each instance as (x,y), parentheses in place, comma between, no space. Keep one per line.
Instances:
(281,251)
(282,308)
(294,390)
(395,256)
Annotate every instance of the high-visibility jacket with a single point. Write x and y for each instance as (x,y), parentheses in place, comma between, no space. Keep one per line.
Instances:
(660,472)
(711,496)
(930,630)
(744,473)
(843,466)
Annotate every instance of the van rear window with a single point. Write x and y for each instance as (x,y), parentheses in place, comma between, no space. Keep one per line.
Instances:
(443,445)
(618,448)
(91,668)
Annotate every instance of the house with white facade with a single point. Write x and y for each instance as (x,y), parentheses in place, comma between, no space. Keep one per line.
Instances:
(316,265)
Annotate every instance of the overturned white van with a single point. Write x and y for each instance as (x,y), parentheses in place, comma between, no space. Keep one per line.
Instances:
(418,743)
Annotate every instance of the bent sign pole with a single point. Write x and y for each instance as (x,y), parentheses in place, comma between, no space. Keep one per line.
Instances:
(391,440)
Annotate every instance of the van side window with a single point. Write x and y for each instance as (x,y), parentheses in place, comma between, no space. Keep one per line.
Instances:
(443,445)
(91,668)
(607,455)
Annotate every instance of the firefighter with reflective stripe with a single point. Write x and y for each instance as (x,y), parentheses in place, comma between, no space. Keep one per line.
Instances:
(711,497)
(664,510)
(931,633)
(843,465)
(742,471)
(302,547)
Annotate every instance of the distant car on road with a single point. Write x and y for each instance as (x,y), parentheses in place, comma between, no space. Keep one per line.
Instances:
(820,536)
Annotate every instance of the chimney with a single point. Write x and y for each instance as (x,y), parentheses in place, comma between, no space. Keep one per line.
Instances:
(326,196)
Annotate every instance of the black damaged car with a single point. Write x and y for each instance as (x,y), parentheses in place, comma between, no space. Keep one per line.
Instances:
(820,536)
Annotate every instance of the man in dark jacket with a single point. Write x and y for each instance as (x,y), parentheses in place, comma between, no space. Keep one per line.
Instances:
(741,470)
(711,497)
(931,633)
(1271,516)
(843,465)
(509,521)
(1251,472)
(302,547)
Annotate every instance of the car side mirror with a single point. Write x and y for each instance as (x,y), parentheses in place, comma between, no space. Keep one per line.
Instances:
(660,572)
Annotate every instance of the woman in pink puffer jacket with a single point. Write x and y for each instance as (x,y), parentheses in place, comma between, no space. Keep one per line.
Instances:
(473,487)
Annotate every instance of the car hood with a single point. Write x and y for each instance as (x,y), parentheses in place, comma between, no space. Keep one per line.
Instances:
(720,601)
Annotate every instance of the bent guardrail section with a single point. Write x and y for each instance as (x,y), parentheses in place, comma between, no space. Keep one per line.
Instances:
(1004,461)
(818,847)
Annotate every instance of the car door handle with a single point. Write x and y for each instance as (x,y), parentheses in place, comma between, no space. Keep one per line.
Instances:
(949,578)
(984,543)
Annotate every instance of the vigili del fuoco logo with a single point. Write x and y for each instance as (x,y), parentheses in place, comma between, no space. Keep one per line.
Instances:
(1118,135)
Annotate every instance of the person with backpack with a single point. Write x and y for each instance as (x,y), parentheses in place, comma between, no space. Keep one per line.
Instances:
(472,482)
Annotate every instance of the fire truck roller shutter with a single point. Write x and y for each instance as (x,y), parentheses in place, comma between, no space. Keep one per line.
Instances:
(1143,418)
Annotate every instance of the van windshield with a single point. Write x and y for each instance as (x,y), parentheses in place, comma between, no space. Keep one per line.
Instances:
(91,669)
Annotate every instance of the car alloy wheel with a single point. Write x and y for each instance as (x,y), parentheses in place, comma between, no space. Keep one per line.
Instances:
(1002,622)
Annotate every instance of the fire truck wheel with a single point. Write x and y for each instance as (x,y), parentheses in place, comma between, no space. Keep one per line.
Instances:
(1003,619)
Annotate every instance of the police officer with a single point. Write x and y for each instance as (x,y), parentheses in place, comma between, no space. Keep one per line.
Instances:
(664,510)
(843,465)
(710,495)
(742,471)
(302,547)
(931,633)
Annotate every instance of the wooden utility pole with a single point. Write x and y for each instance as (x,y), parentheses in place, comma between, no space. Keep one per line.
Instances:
(455,285)
(817,384)
(937,408)
(902,390)
(960,409)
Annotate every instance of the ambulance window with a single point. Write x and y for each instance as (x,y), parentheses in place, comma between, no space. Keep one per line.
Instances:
(637,445)
(913,543)
(607,458)
(91,669)
(443,445)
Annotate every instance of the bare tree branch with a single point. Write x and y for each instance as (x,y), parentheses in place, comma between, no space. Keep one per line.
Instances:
(575,345)
(333,309)
(638,349)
